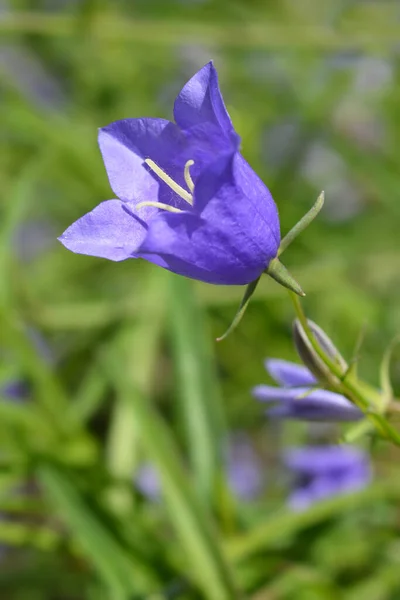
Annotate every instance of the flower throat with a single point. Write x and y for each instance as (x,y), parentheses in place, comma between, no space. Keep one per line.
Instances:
(175,187)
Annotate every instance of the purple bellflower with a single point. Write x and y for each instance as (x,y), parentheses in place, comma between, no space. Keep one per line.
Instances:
(187,199)
(15,390)
(296,398)
(325,471)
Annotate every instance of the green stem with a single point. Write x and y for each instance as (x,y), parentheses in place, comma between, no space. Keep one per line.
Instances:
(354,390)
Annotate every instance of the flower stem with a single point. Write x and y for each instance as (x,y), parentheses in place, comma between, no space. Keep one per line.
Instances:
(354,390)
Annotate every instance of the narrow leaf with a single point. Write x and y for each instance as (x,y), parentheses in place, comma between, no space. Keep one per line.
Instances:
(200,404)
(116,568)
(142,335)
(207,565)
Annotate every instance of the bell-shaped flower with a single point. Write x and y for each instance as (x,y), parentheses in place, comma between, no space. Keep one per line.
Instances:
(296,398)
(187,200)
(15,389)
(325,471)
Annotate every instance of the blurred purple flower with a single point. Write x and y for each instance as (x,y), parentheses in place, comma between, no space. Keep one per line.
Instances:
(244,468)
(30,76)
(15,390)
(188,201)
(244,471)
(148,482)
(32,238)
(325,471)
(297,400)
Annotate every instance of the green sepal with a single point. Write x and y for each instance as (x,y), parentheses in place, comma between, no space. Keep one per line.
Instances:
(250,289)
(279,272)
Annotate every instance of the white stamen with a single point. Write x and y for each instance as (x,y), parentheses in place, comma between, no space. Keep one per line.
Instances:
(159,205)
(188,179)
(170,182)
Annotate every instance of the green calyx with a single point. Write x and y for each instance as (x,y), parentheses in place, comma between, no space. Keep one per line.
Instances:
(279,272)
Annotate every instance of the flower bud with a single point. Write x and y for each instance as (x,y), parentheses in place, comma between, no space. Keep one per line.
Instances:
(309,356)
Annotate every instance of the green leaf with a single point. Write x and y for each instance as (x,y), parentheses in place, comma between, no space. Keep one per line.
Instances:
(142,336)
(119,571)
(206,562)
(90,394)
(285,522)
(200,405)
(23,535)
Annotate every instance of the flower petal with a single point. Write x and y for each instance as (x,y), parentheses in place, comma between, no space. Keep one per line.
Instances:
(229,192)
(289,374)
(324,471)
(300,403)
(108,231)
(189,246)
(225,243)
(304,496)
(126,144)
(322,459)
(200,100)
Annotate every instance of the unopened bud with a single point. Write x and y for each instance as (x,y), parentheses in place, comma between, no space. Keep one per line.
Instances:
(310,357)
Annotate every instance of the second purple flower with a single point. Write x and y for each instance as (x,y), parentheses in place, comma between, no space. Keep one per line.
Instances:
(296,398)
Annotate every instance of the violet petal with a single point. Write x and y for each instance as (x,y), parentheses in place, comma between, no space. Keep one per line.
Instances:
(108,231)
(289,374)
(303,404)
(227,243)
(200,100)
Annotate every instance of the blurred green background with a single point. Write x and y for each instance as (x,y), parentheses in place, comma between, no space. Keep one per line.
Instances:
(313,89)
